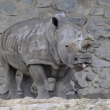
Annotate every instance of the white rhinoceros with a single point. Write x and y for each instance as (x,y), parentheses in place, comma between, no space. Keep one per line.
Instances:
(48,50)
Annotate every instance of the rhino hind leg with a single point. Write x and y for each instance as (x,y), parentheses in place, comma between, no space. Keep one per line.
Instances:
(38,74)
(10,79)
(26,84)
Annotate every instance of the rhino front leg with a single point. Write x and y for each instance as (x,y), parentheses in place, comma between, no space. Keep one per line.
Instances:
(10,79)
(62,84)
(38,74)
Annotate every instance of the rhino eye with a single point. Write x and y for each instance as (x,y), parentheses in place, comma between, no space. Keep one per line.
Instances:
(66,46)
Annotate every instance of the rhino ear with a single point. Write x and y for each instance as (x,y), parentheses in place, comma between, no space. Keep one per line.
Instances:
(55,21)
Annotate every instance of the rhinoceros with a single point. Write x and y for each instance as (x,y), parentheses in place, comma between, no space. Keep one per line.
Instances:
(48,50)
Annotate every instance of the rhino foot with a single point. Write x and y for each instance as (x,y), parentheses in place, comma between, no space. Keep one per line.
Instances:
(43,96)
(12,96)
(61,95)
(20,94)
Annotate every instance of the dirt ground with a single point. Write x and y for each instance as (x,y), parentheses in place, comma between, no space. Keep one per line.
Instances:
(55,104)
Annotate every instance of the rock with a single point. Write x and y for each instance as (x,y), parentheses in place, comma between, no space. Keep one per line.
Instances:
(83,11)
(72,84)
(70,93)
(82,83)
(8,7)
(103,31)
(102,75)
(44,14)
(97,70)
(3,89)
(87,3)
(2,28)
(30,13)
(104,2)
(65,5)
(107,13)
(90,76)
(100,63)
(85,91)
(4,19)
(96,90)
(94,30)
(106,91)
(108,21)
(15,20)
(97,11)
(104,53)
(27,1)
(102,38)
(80,21)
(108,74)
(96,21)
(43,3)
(95,85)
(96,45)
(105,84)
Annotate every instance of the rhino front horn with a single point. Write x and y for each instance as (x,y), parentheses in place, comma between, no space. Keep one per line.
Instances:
(88,40)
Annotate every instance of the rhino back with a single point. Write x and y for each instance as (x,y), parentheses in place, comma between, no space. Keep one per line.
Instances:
(11,41)
(11,36)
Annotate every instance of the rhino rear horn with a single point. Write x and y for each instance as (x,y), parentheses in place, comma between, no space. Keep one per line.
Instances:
(88,40)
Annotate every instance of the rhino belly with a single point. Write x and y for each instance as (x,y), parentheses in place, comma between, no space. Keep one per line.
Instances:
(16,61)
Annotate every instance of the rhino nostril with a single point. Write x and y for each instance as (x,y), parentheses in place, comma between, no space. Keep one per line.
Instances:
(76,59)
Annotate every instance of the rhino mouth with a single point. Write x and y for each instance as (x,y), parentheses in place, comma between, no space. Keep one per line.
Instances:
(81,66)
(82,60)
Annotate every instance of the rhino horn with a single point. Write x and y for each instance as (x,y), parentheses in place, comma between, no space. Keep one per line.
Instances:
(88,40)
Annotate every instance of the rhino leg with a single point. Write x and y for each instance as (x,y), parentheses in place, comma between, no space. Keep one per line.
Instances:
(62,84)
(10,79)
(38,74)
(26,84)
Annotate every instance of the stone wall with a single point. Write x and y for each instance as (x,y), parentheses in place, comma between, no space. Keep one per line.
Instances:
(94,17)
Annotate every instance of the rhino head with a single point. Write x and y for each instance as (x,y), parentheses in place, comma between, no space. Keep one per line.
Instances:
(72,46)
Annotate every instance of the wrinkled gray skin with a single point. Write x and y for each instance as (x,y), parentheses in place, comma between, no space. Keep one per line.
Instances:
(42,49)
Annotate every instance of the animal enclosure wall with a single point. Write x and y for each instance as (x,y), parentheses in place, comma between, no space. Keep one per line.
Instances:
(93,16)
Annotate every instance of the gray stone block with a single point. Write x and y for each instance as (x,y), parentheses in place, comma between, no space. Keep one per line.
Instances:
(104,2)
(65,5)
(102,30)
(107,13)
(8,7)
(27,1)
(96,45)
(2,28)
(43,3)
(95,85)
(97,21)
(105,84)
(94,30)
(91,76)
(97,11)
(80,21)
(96,90)
(29,13)
(102,75)
(4,19)
(104,53)
(82,10)
(108,21)
(82,83)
